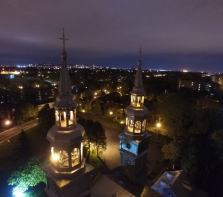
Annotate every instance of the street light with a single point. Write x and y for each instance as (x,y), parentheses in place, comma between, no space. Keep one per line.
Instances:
(158,125)
(17,192)
(7,122)
(122,122)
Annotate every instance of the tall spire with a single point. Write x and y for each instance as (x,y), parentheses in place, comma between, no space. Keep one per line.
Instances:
(64,82)
(140,53)
(138,79)
(63,39)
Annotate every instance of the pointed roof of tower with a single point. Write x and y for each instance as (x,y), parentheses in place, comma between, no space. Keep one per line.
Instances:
(64,99)
(64,81)
(138,88)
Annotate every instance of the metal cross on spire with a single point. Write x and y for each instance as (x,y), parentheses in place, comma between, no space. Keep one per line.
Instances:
(63,39)
(140,53)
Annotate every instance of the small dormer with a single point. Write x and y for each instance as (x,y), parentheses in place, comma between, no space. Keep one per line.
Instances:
(137,100)
(65,118)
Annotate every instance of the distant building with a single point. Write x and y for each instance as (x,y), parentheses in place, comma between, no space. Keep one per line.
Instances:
(5,79)
(217,79)
(195,85)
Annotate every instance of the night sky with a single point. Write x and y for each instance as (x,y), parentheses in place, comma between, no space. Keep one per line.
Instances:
(173,34)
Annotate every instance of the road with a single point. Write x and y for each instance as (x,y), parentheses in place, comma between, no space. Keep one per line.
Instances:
(9,133)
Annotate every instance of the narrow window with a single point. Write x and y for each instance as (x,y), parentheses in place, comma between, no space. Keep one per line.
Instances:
(75,157)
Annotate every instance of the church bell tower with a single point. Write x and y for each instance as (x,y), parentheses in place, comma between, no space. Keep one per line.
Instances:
(67,173)
(134,141)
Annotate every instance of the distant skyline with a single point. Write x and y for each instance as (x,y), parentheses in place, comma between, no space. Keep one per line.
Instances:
(173,34)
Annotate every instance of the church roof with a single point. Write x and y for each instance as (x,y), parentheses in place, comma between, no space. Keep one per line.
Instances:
(64,82)
(138,89)
(179,183)
(105,187)
(138,79)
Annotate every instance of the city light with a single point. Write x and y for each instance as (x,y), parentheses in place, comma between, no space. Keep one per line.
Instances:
(7,122)
(158,125)
(111,113)
(55,157)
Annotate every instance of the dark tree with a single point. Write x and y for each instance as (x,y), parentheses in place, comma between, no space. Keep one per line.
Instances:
(177,113)
(98,137)
(43,111)
(46,118)
(97,108)
(198,158)
(171,151)
(28,175)
(217,137)
(23,147)
(27,111)
(88,133)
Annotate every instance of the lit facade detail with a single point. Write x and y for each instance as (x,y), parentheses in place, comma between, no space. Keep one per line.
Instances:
(137,101)
(65,118)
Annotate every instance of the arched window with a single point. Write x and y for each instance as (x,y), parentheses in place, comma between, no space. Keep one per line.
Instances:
(130,125)
(63,119)
(64,159)
(75,157)
(55,156)
(138,104)
(70,117)
(142,101)
(74,116)
(133,100)
(57,117)
(138,127)
(143,125)
(59,158)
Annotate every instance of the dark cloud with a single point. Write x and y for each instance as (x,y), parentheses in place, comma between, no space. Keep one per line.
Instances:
(173,33)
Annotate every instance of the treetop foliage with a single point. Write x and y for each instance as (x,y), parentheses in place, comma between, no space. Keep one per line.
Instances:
(95,137)
(28,175)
